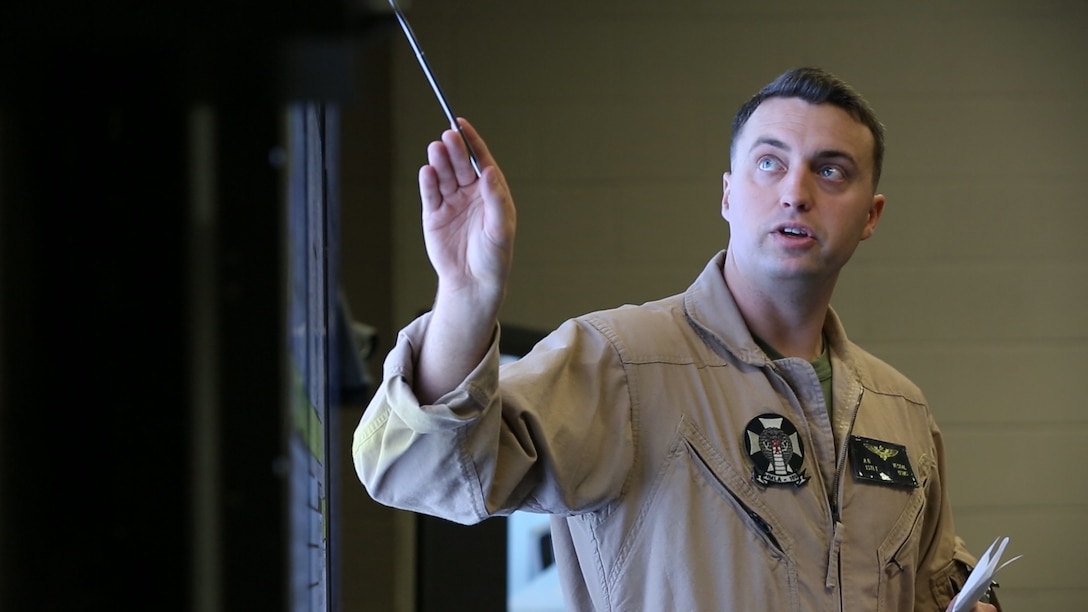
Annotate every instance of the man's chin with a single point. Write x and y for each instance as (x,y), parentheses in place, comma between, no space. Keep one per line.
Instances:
(802,273)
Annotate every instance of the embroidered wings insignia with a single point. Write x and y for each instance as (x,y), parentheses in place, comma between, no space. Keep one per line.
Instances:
(882,451)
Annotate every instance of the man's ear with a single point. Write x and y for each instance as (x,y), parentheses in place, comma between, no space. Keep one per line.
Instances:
(874,216)
(725,195)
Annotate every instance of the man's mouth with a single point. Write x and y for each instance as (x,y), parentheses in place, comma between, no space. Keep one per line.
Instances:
(795,232)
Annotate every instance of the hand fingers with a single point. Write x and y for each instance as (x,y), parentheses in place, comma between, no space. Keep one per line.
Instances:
(449,168)
(428,189)
(439,159)
(450,159)
(463,170)
(479,147)
(493,183)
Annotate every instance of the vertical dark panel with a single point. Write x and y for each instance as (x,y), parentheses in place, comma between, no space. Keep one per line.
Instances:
(93,426)
(366,226)
(337,332)
(252,392)
(97,427)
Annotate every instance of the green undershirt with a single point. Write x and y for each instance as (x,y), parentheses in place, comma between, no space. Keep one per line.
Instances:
(822,365)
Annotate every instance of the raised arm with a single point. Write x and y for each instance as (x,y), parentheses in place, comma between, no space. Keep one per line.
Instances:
(468,227)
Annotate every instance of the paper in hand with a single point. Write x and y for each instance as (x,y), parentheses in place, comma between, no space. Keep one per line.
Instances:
(983,574)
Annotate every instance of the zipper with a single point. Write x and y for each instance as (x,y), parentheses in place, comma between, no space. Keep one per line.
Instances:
(758,520)
(754,516)
(834,568)
(836,517)
(841,467)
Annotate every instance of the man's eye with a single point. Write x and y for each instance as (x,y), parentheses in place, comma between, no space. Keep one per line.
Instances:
(832,172)
(767,164)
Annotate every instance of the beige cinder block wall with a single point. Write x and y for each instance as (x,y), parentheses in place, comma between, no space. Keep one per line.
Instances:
(611,120)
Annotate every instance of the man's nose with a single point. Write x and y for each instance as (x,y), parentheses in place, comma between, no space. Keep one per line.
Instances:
(797,189)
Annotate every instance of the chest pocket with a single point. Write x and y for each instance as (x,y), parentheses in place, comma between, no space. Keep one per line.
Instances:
(726,483)
(699,544)
(898,553)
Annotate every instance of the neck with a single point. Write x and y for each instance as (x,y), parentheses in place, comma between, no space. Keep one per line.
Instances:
(789,315)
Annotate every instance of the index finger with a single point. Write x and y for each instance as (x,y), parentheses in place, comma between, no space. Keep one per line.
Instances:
(476,145)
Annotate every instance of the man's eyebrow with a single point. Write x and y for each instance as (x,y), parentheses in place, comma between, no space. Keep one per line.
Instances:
(821,155)
(767,140)
(835,154)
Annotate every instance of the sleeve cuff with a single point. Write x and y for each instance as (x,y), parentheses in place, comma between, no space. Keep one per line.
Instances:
(461,406)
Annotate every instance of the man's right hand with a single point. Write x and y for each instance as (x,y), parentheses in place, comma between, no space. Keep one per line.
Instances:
(468,227)
(468,222)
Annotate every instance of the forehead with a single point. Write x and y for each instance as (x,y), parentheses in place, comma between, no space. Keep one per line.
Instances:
(807,127)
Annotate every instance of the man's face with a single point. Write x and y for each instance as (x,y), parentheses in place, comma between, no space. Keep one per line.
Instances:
(799,196)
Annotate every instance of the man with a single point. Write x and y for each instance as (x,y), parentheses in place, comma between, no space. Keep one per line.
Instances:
(726,448)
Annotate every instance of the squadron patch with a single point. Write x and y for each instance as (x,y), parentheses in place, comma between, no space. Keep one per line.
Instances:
(881,462)
(775,450)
